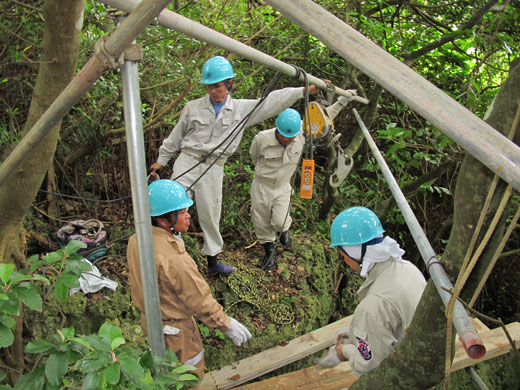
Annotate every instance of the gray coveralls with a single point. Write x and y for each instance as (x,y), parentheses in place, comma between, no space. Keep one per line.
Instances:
(271,189)
(197,133)
(388,299)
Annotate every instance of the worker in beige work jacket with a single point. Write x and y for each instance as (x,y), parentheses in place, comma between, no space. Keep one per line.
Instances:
(209,130)
(276,154)
(388,298)
(184,294)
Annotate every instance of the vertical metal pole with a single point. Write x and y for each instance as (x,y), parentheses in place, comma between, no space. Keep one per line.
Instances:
(139,186)
(467,333)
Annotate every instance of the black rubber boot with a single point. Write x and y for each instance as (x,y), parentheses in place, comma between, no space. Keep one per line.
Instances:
(270,256)
(285,238)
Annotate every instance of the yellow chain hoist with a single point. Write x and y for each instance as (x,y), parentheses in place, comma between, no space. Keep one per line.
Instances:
(318,125)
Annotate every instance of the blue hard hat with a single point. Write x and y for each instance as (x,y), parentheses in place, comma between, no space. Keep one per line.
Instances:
(355,226)
(216,69)
(289,123)
(167,196)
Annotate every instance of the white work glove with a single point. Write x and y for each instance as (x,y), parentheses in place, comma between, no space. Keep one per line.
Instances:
(237,332)
(342,334)
(343,100)
(330,360)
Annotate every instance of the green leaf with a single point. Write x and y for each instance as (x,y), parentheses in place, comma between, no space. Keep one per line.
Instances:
(29,294)
(117,342)
(109,331)
(146,360)
(4,297)
(98,343)
(7,321)
(51,258)
(184,368)
(60,290)
(6,336)
(81,341)
(69,279)
(34,380)
(78,266)
(131,367)
(188,377)
(89,365)
(39,346)
(56,368)
(10,306)
(68,333)
(73,246)
(5,271)
(91,381)
(113,373)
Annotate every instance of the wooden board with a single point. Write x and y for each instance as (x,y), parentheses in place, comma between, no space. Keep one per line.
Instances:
(266,361)
(341,377)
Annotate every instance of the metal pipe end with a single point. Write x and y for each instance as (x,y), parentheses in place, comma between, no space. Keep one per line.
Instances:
(473,345)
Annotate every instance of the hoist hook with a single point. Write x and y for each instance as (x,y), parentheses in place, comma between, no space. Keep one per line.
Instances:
(341,172)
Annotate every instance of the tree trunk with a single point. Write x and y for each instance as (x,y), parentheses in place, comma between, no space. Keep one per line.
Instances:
(59,52)
(418,362)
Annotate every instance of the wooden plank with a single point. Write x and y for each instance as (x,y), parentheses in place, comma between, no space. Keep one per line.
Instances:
(496,344)
(341,377)
(266,361)
(314,377)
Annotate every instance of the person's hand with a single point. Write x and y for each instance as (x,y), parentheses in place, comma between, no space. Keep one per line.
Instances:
(342,334)
(154,168)
(343,100)
(313,89)
(330,360)
(237,332)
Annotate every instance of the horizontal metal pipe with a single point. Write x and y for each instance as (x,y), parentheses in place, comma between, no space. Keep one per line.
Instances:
(196,30)
(465,328)
(114,46)
(478,138)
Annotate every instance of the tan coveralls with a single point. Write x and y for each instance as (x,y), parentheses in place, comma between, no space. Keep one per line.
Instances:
(388,299)
(183,294)
(197,133)
(271,188)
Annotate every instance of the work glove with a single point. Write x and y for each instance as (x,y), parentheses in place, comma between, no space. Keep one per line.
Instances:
(342,335)
(343,100)
(330,360)
(237,332)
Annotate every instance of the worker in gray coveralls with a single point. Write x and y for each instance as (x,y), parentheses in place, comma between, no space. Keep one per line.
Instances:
(276,154)
(388,297)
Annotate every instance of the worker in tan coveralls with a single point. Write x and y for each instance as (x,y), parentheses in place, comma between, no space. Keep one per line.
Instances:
(183,292)
(209,130)
(276,154)
(388,297)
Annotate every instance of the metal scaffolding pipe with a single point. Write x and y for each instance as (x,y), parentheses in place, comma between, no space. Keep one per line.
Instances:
(465,328)
(139,186)
(196,30)
(111,48)
(478,138)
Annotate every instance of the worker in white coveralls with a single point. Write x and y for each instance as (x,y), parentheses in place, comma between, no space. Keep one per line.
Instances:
(183,292)
(388,297)
(209,130)
(276,154)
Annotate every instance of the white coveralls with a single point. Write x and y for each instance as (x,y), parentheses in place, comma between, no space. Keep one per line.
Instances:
(183,294)
(197,133)
(271,188)
(388,299)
